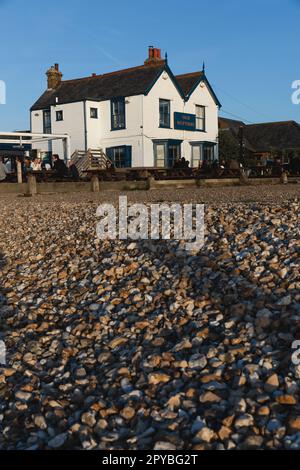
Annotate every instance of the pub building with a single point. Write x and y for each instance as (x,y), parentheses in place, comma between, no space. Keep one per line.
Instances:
(142,116)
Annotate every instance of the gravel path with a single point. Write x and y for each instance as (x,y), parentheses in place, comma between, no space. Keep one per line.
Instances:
(121,345)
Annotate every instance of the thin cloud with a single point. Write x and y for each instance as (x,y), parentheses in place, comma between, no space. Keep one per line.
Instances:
(109,30)
(109,56)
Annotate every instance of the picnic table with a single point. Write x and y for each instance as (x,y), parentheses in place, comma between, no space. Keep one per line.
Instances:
(139,173)
(49,175)
(43,175)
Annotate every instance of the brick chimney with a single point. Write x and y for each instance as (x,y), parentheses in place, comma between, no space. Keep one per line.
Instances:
(154,56)
(54,77)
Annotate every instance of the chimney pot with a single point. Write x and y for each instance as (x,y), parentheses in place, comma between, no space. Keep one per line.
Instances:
(154,56)
(54,77)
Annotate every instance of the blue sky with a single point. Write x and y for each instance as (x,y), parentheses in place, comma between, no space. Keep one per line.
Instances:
(251,48)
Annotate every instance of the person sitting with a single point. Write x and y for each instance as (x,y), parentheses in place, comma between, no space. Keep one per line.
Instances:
(176,163)
(186,163)
(3,171)
(59,167)
(46,165)
(222,167)
(73,171)
(215,167)
(36,164)
(182,162)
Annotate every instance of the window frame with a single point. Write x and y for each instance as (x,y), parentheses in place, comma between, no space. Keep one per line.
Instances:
(59,113)
(47,129)
(162,124)
(208,152)
(200,119)
(92,109)
(195,161)
(116,159)
(167,145)
(122,114)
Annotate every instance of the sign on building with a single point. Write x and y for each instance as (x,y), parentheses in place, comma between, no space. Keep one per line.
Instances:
(184,121)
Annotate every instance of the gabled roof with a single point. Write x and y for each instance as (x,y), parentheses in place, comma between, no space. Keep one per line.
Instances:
(189,82)
(264,137)
(276,135)
(128,82)
(232,124)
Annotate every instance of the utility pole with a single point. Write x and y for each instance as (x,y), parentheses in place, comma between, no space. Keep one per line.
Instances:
(241,138)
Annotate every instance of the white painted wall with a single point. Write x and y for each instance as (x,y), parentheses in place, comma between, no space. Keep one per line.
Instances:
(72,124)
(132,135)
(94,126)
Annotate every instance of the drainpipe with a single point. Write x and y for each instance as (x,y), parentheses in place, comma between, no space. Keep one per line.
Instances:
(183,134)
(143,147)
(67,148)
(85,127)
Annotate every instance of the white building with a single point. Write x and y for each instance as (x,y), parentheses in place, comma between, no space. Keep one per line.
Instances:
(142,116)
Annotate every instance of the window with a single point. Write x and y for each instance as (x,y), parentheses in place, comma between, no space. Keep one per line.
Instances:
(47,121)
(164,113)
(120,156)
(118,114)
(94,113)
(208,153)
(59,115)
(196,155)
(200,118)
(160,155)
(174,153)
(166,152)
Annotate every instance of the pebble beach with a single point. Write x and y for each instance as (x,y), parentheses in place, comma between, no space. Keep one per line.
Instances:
(136,345)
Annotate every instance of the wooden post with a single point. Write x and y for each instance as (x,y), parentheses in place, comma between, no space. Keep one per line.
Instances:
(31,185)
(244,178)
(151,182)
(95,184)
(284,178)
(19,171)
